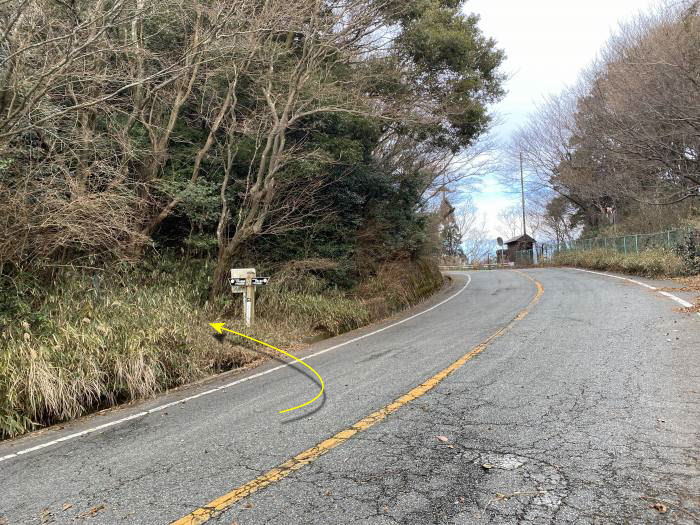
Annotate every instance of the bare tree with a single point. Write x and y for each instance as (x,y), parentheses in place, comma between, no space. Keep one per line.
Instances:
(511,221)
(643,110)
(476,243)
(626,136)
(82,84)
(296,80)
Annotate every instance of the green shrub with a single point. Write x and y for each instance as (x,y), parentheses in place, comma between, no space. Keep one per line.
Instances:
(689,251)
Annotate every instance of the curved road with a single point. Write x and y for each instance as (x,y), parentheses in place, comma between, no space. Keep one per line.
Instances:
(576,404)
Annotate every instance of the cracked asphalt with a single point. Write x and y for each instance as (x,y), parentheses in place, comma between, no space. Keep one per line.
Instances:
(585,411)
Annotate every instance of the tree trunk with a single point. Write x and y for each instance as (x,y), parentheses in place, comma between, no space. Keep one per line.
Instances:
(223,265)
(220,274)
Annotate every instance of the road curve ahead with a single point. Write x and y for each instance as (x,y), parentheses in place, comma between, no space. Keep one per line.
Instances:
(542,396)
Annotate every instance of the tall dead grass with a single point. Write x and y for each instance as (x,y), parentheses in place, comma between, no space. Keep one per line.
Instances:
(83,342)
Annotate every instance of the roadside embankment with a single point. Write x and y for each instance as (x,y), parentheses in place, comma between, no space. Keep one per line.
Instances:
(84,341)
(649,263)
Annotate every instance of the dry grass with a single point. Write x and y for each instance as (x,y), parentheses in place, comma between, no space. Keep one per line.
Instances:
(85,344)
(40,220)
(650,263)
(690,284)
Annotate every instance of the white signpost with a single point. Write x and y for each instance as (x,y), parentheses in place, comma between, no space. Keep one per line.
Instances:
(244,281)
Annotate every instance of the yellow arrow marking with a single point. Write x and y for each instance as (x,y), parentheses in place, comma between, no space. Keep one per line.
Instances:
(219,327)
(221,504)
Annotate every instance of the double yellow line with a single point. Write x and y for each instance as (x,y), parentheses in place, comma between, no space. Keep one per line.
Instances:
(219,505)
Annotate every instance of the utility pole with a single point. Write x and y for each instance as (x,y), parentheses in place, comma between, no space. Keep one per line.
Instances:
(522,191)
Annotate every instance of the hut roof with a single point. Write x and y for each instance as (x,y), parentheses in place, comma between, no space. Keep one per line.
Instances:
(520,238)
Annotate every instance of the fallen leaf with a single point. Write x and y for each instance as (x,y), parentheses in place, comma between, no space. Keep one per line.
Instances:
(248,506)
(67,506)
(328,493)
(444,439)
(450,446)
(487,466)
(90,513)
(660,507)
(3,521)
(46,516)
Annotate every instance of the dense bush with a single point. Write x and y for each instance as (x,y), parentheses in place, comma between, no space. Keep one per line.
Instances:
(689,251)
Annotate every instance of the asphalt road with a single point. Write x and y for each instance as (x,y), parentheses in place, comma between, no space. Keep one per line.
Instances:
(584,409)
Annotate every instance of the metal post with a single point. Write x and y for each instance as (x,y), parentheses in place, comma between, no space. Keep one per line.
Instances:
(636,243)
(249,299)
(624,244)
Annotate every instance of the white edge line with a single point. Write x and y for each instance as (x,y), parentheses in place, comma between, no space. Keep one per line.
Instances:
(222,387)
(677,299)
(680,301)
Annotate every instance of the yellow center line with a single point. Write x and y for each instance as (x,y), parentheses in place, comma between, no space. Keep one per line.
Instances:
(219,505)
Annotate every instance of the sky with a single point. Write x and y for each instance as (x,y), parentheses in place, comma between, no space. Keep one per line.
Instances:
(547,43)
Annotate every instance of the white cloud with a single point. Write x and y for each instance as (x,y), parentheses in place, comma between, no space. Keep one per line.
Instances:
(489,201)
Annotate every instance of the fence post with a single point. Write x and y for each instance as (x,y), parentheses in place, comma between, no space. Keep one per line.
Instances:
(668,234)
(636,243)
(624,244)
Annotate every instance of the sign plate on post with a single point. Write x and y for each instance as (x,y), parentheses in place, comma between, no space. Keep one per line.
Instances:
(243,280)
(255,281)
(239,275)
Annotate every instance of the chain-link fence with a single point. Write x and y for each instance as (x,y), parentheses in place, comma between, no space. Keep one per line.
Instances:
(624,244)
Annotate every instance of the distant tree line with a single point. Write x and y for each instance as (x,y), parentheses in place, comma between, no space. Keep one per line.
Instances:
(622,147)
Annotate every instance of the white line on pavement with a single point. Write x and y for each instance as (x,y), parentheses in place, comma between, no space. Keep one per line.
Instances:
(677,299)
(645,285)
(223,387)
